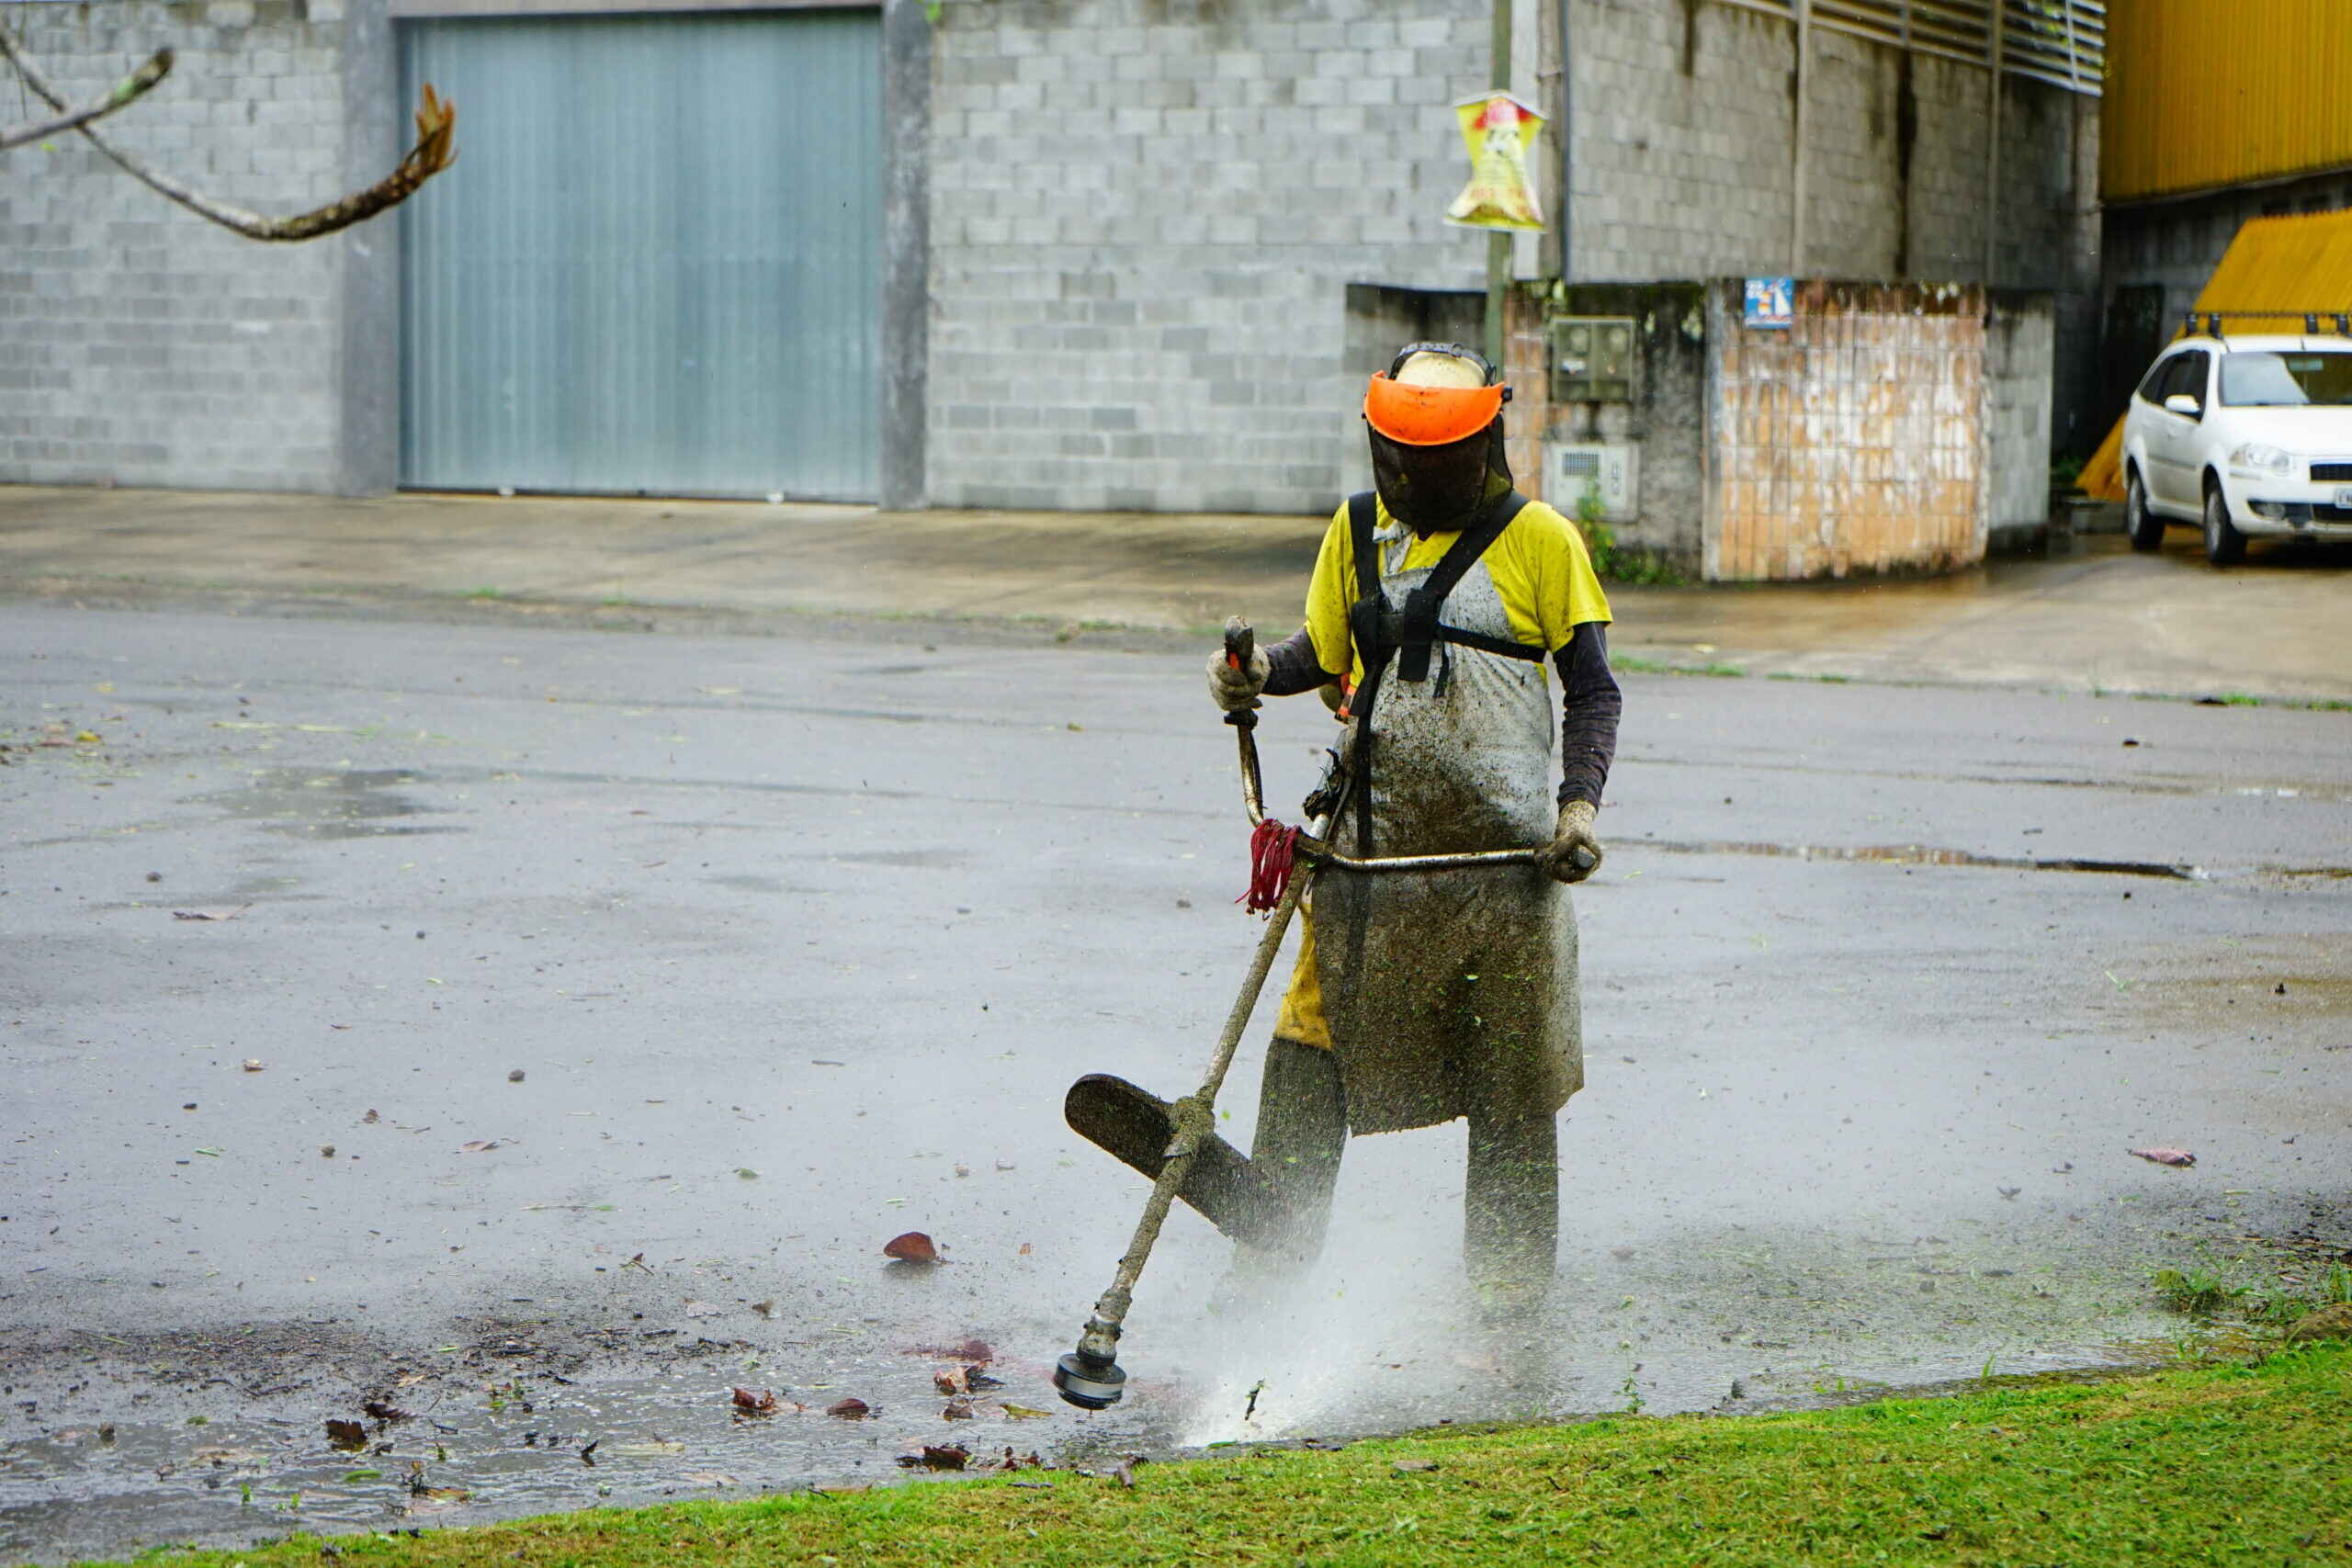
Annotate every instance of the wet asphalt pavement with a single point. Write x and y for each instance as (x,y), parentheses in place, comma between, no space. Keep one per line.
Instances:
(582,1010)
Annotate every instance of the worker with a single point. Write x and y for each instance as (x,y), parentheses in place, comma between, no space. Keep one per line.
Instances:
(1439,604)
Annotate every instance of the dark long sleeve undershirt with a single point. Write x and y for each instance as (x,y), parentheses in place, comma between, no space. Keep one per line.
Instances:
(1590,702)
(1590,706)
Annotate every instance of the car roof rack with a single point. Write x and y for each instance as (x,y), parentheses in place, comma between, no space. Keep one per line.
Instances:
(2207,323)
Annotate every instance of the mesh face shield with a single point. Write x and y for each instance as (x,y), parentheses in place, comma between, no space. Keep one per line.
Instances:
(1436,490)
(1431,484)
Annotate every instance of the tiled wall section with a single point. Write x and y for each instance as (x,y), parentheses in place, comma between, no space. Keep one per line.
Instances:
(1854,441)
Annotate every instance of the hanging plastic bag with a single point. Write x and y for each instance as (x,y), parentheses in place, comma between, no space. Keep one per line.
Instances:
(1500,132)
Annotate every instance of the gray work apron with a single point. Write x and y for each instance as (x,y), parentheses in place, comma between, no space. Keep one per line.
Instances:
(1452,993)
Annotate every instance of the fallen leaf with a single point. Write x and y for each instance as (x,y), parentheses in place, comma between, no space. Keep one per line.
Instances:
(381,1411)
(251,1064)
(371,1118)
(759,1403)
(1023,1412)
(747,1173)
(937,1456)
(514,1076)
(433,1499)
(970,1350)
(348,1436)
(1011,1461)
(478,1147)
(958,1410)
(2164,1157)
(703,1309)
(975,1378)
(1026,1248)
(763,1308)
(950,1382)
(209,914)
(1125,1475)
(913,1246)
(849,1409)
(363,1475)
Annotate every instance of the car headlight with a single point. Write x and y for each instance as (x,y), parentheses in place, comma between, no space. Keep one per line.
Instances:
(2264,459)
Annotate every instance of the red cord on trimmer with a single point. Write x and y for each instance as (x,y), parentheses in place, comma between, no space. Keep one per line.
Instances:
(1271,860)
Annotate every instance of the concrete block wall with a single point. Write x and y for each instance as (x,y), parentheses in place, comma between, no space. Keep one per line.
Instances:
(1684,118)
(1145,214)
(1144,217)
(143,345)
(2020,341)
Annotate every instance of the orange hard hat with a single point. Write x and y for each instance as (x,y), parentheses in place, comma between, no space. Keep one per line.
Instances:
(1433,395)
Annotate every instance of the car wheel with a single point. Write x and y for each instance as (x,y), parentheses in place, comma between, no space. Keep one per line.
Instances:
(2145,529)
(2223,543)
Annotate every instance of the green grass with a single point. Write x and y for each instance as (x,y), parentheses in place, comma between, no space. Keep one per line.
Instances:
(2207,1464)
(2240,1288)
(1651,667)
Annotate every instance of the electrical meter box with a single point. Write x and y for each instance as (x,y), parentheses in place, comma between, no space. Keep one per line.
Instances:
(1595,359)
(1612,470)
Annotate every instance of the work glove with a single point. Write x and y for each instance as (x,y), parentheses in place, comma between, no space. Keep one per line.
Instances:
(1232,689)
(1574,854)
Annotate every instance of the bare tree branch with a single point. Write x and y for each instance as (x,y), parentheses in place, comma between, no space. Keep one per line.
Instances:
(436,122)
(126,90)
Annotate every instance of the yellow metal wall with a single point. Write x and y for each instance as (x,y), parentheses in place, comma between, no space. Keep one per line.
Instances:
(2205,92)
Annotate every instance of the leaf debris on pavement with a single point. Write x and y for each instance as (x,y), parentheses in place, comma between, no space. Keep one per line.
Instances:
(2175,1157)
(937,1456)
(759,1403)
(968,1350)
(348,1436)
(912,1246)
(850,1409)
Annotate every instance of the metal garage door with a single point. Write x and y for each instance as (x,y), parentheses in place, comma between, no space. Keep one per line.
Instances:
(656,265)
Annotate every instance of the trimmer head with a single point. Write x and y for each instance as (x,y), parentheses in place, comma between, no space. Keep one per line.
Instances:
(1090,1382)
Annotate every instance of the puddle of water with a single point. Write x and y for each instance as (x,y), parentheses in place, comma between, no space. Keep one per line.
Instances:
(330,804)
(1921,854)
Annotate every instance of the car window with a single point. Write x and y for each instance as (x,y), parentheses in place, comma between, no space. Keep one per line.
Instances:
(2187,375)
(2285,380)
(2152,386)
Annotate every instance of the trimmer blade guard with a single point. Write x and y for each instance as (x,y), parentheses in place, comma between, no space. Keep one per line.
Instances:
(1134,1125)
(1088,1383)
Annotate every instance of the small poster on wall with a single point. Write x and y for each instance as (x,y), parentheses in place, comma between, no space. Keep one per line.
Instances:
(1772,302)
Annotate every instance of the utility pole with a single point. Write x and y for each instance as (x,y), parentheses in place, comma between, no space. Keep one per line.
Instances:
(1498,243)
(1799,132)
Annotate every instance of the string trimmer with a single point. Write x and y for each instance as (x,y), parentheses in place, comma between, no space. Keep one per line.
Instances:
(1176,1145)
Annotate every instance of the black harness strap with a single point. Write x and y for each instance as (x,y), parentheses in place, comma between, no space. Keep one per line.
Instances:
(1403,638)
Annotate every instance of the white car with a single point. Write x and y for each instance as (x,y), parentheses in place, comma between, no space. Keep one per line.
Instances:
(2242,434)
